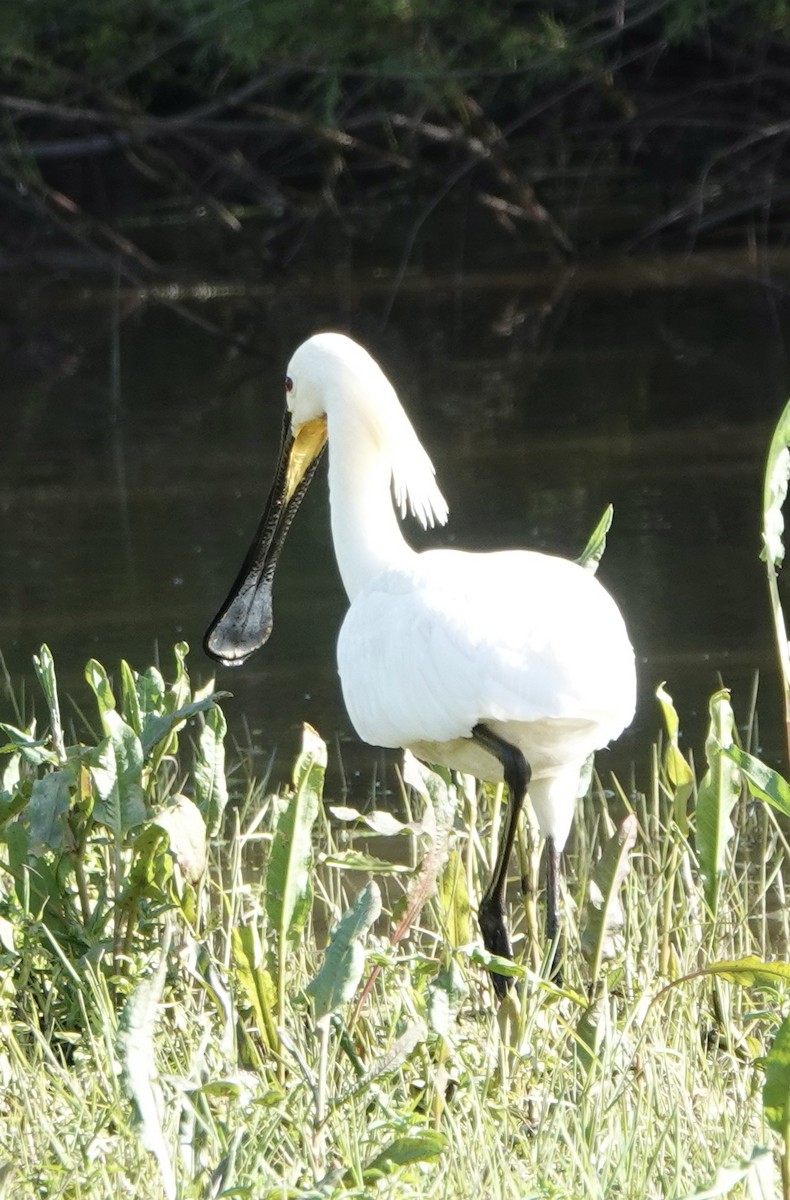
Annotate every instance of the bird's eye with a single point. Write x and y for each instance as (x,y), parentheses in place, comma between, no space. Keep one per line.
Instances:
(289,384)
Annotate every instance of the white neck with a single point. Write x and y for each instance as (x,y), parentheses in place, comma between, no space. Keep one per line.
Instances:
(365,529)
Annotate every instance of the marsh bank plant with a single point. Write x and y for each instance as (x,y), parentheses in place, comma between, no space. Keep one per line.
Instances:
(212,987)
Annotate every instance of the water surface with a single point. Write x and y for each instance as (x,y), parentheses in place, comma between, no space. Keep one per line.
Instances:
(136,455)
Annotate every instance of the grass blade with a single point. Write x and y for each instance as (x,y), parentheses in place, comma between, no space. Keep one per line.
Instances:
(604,911)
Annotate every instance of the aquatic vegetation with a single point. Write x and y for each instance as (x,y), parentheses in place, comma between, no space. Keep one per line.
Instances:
(288,1001)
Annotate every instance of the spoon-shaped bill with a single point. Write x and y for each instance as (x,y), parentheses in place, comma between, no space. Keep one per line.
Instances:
(244,622)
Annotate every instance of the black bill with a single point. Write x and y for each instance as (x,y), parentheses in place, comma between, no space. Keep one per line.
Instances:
(244,622)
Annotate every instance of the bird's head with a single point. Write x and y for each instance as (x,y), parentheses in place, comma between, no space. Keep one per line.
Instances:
(327,375)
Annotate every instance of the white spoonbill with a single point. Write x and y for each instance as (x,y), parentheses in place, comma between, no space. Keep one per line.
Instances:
(511,665)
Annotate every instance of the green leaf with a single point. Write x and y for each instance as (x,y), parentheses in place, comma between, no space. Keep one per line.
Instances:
(592,553)
(118,766)
(776,1088)
(763,783)
(132,710)
(32,749)
(118,806)
(344,958)
(749,971)
(493,962)
(677,770)
(157,727)
(186,831)
(777,473)
(357,860)
(604,911)
(151,694)
(404,1151)
(255,981)
(46,813)
(45,671)
(149,845)
(96,677)
(139,1073)
(211,789)
(288,885)
(453,897)
(757,1171)
(717,794)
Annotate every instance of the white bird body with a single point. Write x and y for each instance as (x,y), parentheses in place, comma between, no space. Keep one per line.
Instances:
(519,641)
(435,643)
(509,664)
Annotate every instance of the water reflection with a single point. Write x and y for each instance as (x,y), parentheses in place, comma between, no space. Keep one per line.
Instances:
(121,528)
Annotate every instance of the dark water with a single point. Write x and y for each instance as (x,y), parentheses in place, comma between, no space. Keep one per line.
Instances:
(136,456)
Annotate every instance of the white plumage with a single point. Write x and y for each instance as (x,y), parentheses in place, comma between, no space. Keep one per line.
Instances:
(530,645)
(508,664)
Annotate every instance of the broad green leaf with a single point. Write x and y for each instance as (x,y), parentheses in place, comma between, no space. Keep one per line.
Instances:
(344,959)
(391,1060)
(139,1073)
(32,749)
(122,798)
(288,884)
(186,830)
(117,807)
(255,981)
(716,797)
(777,473)
(453,898)
(149,844)
(45,671)
(10,775)
(132,711)
(158,727)
(763,783)
(604,914)
(776,1088)
(757,1172)
(493,962)
(11,805)
(151,694)
(96,677)
(678,772)
(592,553)
(404,1151)
(357,860)
(211,789)
(749,971)
(46,813)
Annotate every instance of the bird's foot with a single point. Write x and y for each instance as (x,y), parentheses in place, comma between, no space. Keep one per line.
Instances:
(496,939)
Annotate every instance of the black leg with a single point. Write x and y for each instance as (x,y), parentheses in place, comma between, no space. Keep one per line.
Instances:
(553,907)
(493,925)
